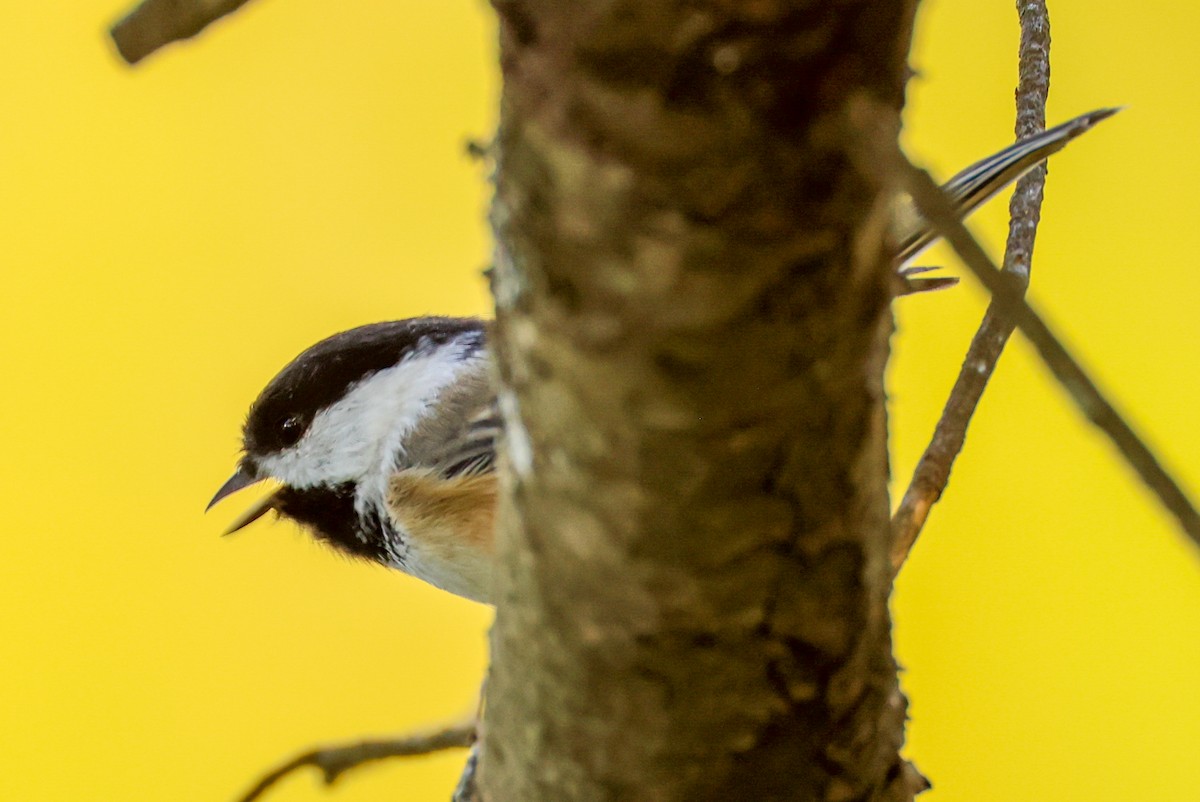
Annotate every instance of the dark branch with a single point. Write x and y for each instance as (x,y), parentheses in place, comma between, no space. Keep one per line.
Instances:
(1009,301)
(155,23)
(933,471)
(337,760)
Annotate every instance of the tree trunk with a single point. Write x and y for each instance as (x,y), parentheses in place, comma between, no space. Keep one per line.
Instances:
(693,293)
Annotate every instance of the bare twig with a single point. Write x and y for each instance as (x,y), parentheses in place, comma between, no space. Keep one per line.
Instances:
(933,470)
(335,761)
(1010,302)
(468,786)
(155,23)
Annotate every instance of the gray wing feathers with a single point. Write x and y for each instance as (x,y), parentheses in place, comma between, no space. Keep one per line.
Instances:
(459,438)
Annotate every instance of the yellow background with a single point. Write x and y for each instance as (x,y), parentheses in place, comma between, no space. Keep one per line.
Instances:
(172,235)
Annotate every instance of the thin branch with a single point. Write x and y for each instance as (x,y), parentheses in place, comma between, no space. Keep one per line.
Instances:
(468,785)
(337,760)
(155,23)
(933,470)
(932,203)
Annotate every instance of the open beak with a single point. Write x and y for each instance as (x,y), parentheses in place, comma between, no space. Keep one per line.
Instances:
(260,508)
(242,478)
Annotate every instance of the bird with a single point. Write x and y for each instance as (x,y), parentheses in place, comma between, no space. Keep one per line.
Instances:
(973,186)
(383,438)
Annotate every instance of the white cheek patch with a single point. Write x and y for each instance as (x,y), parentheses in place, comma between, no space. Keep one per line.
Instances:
(357,438)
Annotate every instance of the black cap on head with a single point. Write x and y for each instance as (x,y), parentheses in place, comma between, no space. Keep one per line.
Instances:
(321,375)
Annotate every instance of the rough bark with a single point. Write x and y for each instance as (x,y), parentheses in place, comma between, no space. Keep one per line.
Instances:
(692,317)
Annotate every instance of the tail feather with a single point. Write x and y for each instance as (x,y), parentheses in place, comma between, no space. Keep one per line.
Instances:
(983,179)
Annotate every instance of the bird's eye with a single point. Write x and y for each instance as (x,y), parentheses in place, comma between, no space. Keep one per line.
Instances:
(290,430)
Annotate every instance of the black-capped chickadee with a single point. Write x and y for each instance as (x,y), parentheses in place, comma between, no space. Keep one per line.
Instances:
(383,437)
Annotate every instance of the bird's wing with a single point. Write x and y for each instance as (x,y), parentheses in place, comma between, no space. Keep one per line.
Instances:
(459,438)
(473,450)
